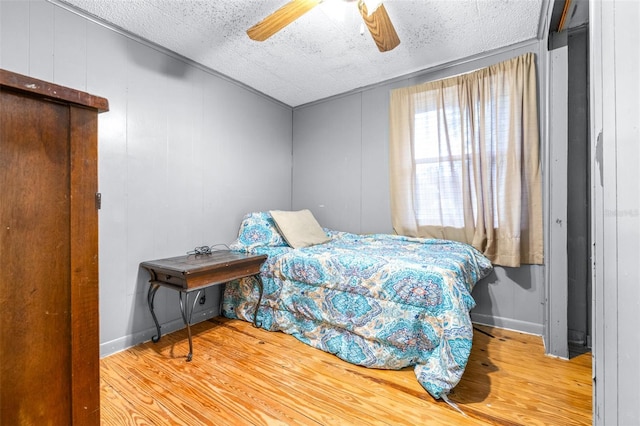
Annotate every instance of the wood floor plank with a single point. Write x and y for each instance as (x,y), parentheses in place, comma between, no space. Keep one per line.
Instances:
(218,396)
(242,375)
(311,377)
(347,375)
(147,391)
(529,386)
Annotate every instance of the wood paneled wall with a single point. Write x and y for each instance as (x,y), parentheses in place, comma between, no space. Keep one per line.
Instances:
(184,153)
(340,172)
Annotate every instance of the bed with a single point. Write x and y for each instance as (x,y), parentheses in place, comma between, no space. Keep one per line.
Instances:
(380,301)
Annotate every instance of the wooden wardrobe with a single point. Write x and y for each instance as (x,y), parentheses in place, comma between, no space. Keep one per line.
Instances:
(49,335)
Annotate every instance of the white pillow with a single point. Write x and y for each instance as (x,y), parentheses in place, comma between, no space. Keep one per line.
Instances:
(299,228)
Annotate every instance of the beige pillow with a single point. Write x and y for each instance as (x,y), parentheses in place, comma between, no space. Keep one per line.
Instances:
(299,228)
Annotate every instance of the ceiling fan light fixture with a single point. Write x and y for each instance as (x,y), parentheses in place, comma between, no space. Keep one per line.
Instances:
(373,14)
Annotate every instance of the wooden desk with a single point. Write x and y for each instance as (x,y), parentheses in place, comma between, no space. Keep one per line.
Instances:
(195,272)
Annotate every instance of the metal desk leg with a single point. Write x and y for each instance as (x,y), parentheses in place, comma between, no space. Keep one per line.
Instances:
(187,311)
(151,294)
(261,290)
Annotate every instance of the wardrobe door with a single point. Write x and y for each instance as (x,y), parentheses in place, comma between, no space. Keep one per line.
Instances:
(49,322)
(85,327)
(35,257)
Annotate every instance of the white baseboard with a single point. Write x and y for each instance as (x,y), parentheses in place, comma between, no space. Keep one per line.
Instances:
(508,324)
(125,342)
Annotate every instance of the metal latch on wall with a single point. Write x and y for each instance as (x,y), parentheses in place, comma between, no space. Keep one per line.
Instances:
(98,200)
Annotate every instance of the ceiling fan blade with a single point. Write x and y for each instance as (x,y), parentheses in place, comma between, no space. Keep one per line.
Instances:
(280,19)
(380,27)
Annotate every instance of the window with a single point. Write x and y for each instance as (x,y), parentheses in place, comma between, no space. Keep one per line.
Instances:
(438,182)
(464,161)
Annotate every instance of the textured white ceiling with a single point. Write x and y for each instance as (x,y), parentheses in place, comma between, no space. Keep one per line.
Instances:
(323,53)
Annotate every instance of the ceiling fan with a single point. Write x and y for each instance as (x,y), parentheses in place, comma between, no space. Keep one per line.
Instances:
(377,21)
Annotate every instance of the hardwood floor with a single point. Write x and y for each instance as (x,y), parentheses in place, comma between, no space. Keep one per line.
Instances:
(241,375)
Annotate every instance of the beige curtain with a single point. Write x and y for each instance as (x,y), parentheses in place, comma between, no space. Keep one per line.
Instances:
(464,162)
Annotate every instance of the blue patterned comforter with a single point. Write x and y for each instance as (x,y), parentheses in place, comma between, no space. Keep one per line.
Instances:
(381,301)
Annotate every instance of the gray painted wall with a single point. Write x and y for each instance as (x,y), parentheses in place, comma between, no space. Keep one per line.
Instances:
(340,172)
(615,134)
(182,154)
